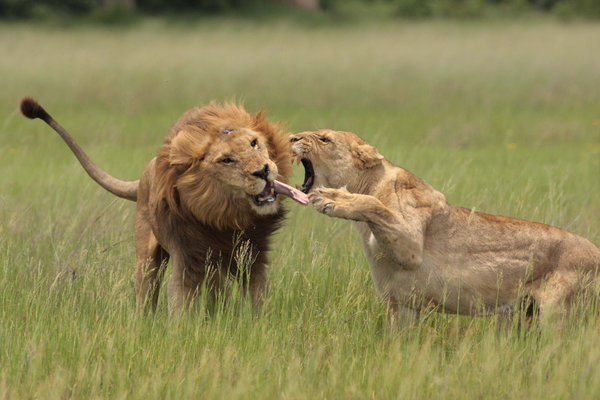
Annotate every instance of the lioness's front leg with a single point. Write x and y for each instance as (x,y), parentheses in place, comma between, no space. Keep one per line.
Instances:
(400,315)
(396,235)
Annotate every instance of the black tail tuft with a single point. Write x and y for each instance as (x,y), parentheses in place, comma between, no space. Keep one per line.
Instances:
(31,109)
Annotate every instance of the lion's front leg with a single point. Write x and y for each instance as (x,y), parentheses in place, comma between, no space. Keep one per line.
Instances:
(182,289)
(394,235)
(258,287)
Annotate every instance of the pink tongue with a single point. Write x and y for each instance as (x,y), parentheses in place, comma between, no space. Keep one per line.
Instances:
(295,194)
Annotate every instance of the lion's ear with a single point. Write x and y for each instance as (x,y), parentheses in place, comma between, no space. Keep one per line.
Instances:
(365,155)
(186,146)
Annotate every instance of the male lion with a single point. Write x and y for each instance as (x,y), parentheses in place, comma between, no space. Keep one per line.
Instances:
(208,200)
(424,251)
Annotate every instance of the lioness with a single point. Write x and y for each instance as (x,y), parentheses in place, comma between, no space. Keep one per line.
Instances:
(207,200)
(421,247)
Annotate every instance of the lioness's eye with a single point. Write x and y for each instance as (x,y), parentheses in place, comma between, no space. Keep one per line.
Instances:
(324,140)
(227,160)
(253,143)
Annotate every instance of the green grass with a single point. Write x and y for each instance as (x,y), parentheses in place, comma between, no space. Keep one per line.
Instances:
(502,117)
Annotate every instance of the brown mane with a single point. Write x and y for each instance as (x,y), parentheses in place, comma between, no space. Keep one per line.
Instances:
(211,256)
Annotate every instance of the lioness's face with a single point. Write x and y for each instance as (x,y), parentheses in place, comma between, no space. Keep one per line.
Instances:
(332,158)
(237,166)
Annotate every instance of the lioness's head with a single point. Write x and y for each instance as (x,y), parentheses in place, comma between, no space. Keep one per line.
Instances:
(332,158)
(219,164)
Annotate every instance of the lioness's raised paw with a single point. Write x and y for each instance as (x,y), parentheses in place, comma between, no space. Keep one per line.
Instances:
(332,202)
(321,202)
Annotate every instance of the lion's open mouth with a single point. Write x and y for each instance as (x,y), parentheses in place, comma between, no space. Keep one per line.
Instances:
(266,196)
(269,193)
(309,175)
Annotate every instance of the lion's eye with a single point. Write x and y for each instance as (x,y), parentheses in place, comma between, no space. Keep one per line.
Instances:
(253,143)
(227,160)
(324,139)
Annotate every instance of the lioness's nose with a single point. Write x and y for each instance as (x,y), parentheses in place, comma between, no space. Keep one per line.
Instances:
(262,173)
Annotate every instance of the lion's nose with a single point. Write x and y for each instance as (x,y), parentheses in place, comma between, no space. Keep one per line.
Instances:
(262,173)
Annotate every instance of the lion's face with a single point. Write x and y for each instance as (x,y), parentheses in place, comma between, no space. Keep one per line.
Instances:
(239,161)
(222,168)
(332,158)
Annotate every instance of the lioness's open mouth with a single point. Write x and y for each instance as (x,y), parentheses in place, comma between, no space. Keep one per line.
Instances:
(309,175)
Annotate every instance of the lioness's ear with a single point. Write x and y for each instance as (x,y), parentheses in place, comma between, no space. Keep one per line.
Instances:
(365,155)
(186,146)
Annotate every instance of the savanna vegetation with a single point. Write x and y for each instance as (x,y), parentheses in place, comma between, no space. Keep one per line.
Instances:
(500,116)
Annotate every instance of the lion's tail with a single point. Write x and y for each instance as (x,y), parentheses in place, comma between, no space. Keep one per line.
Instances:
(125,189)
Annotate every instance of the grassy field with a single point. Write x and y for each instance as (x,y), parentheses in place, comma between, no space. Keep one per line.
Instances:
(503,117)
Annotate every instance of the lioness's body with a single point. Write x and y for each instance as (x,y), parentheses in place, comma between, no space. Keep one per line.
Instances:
(206,201)
(423,250)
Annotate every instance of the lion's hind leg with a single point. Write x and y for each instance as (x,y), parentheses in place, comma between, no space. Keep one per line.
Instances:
(151,264)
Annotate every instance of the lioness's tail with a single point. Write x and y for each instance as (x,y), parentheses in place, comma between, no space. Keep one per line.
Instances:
(125,189)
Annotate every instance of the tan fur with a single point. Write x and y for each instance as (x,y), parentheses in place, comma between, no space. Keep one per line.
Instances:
(196,208)
(424,251)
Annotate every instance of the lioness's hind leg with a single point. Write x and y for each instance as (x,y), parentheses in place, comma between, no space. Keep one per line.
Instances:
(151,263)
(556,296)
